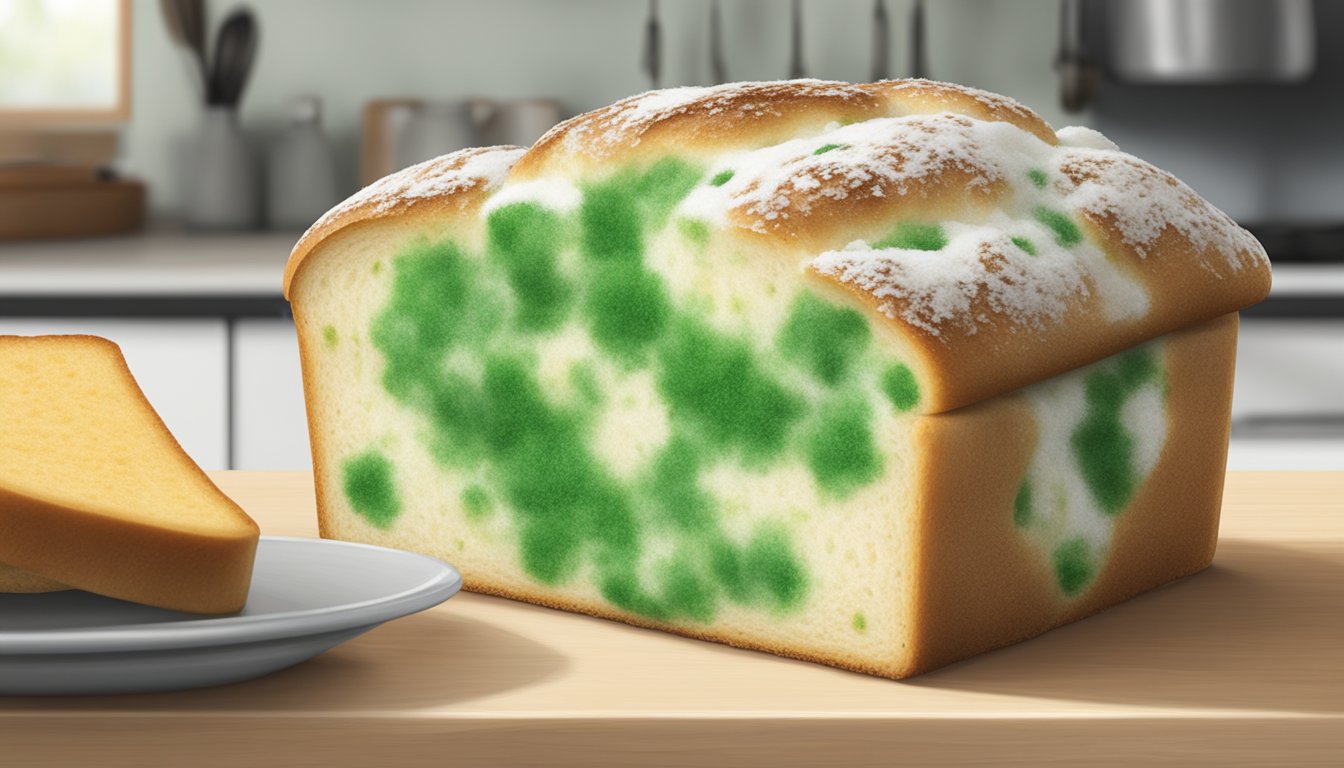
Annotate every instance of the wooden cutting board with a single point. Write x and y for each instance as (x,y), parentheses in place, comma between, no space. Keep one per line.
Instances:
(1240,665)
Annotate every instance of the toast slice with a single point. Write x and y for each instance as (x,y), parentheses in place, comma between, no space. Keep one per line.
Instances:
(96,494)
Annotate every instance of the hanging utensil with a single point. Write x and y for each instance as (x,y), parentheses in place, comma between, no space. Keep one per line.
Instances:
(186,25)
(796,68)
(881,69)
(235,50)
(653,44)
(1077,73)
(718,68)
(919,64)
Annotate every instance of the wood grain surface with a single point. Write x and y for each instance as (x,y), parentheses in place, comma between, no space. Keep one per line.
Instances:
(1240,665)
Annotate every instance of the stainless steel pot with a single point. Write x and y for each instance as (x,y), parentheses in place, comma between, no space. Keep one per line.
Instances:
(1210,41)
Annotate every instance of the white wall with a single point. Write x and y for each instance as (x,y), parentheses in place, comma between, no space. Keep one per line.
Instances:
(583,52)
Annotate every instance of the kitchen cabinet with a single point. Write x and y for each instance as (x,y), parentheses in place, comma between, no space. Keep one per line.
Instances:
(1288,401)
(180,365)
(270,423)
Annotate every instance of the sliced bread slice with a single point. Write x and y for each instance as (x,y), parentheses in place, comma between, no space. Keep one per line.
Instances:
(96,494)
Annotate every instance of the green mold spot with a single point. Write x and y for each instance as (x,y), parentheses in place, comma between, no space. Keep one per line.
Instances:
(675,489)
(627,310)
(824,148)
(695,231)
(900,386)
(860,623)
(662,186)
(840,449)
(524,239)
(476,503)
(915,236)
(823,338)
(370,489)
(436,303)
(583,378)
(722,177)
(1075,565)
(1026,245)
(1022,514)
(1066,230)
(1102,446)
(377,266)
(773,570)
(717,385)
(329,336)
(1038,178)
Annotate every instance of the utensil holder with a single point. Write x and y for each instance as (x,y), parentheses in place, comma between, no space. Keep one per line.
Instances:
(222,184)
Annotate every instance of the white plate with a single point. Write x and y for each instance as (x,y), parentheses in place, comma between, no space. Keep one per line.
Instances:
(307,595)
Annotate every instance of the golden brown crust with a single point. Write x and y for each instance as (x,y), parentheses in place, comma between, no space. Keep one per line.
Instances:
(689,121)
(122,558)
(929,97)
(446,187)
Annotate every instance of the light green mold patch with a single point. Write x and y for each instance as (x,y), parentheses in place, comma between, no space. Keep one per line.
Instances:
(1102,446)
(824,148)
(329,336)
(722,177)
(840,448)
(476,503)
(1065,228)
(1022,512)
(1038,178)
(859,622)
(915,236)
(900,386)
(694,230)
(1026,245)
(825,339)
(370,488)
(1075,565)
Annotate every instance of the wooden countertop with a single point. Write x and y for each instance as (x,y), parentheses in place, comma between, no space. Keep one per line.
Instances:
(1240,665)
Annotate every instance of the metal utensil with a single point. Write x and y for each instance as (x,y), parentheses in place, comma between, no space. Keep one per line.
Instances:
(919,63)
(653,44)
(718,68)
(1077,72)
(796,68)
(186,24)
(235,50)
(881,69)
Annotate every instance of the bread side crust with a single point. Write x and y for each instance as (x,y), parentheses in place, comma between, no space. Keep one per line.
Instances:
(127,559)
(984,584)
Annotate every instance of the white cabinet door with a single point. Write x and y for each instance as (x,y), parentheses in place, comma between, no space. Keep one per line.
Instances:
(1288,404)
(180,364)
(1289,368)
(270,424)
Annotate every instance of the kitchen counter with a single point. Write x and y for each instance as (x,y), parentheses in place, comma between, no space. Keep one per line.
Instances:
(155,273)
(1240,665)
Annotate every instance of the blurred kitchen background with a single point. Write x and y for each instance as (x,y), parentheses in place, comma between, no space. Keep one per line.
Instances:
(159,159)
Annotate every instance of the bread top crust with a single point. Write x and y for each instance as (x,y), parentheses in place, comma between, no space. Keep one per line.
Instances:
(449,185)
(1006,252)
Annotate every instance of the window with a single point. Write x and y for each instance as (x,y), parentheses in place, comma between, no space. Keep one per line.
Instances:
(64,61)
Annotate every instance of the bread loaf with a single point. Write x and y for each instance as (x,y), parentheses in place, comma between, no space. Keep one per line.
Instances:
(880,376)
(95,493)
